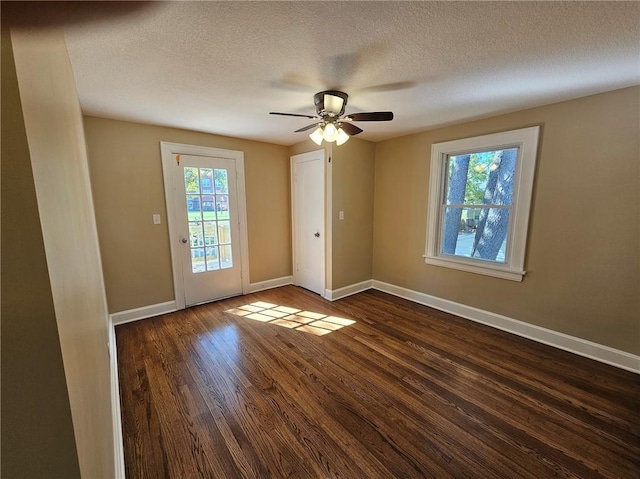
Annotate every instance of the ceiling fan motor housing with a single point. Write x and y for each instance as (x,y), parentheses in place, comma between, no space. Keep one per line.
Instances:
(321,108)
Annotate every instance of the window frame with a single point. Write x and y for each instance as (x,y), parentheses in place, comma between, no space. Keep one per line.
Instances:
(526,140)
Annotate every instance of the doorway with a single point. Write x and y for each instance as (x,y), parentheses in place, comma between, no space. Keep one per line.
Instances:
(308,212)
(206,215)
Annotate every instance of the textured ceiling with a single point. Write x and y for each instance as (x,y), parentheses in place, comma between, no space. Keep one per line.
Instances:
(221,67)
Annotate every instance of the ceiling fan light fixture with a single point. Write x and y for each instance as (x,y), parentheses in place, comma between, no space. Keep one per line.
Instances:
(333,103)
(317,136)
(330,133)
(341,137)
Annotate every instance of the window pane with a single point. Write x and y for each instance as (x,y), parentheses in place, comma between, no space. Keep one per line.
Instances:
(197,260)
(222,207)
(221,182)
(224,232)
(475,232)
(195,234)
(206,180)
(484,178)
(226,258)
(210,233)
(208,211)
(193,208)
(191,180)
(212,258)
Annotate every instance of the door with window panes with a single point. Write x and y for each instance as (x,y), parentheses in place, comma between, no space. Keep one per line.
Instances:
(207,206)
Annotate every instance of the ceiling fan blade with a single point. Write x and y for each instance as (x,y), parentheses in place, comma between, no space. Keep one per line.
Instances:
(372,116)
(305,128)
(401,85)
(350,129)
(293,114)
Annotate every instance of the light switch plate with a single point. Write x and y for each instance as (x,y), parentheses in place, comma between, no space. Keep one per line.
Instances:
(156,219)
(341,215)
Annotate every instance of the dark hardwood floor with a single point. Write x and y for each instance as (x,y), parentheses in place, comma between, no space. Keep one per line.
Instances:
(224,391)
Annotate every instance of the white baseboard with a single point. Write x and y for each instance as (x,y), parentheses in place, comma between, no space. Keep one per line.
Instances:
(334,294)
(116,416)
(143,312)
(270,283)
(582,347)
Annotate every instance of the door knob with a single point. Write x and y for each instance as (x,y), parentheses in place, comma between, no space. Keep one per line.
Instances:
(184,240)
(317,235)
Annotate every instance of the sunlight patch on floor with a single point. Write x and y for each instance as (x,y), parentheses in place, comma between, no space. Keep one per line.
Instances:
(291,318)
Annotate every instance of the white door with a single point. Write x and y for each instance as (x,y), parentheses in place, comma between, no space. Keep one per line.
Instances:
(309,220)
(204,226)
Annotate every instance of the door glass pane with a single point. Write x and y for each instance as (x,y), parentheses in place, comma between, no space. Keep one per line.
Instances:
(195,234)
(208,211)
(191,180)
(206,180)
(222,207)
(210,233)
(226,258)
(212,258)
(207,199)
(197,260)
(221,182)
(193,208)
(475,232)
(224,232)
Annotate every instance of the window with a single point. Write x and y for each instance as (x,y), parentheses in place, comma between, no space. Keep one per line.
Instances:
(479,200)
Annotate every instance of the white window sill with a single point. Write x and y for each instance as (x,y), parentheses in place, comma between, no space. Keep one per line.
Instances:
(474,267)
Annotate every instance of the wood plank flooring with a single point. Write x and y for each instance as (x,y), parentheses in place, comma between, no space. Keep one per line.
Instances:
(225,391)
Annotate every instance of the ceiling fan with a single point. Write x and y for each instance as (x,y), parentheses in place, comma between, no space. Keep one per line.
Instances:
(330,121)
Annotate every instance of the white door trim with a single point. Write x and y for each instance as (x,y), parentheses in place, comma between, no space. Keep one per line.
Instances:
(312,155)
(167,150)
(328,221)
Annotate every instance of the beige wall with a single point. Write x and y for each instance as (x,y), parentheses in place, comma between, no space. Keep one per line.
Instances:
(583,243)
(53,124)
(37,429)
(126,176)
(353,169)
